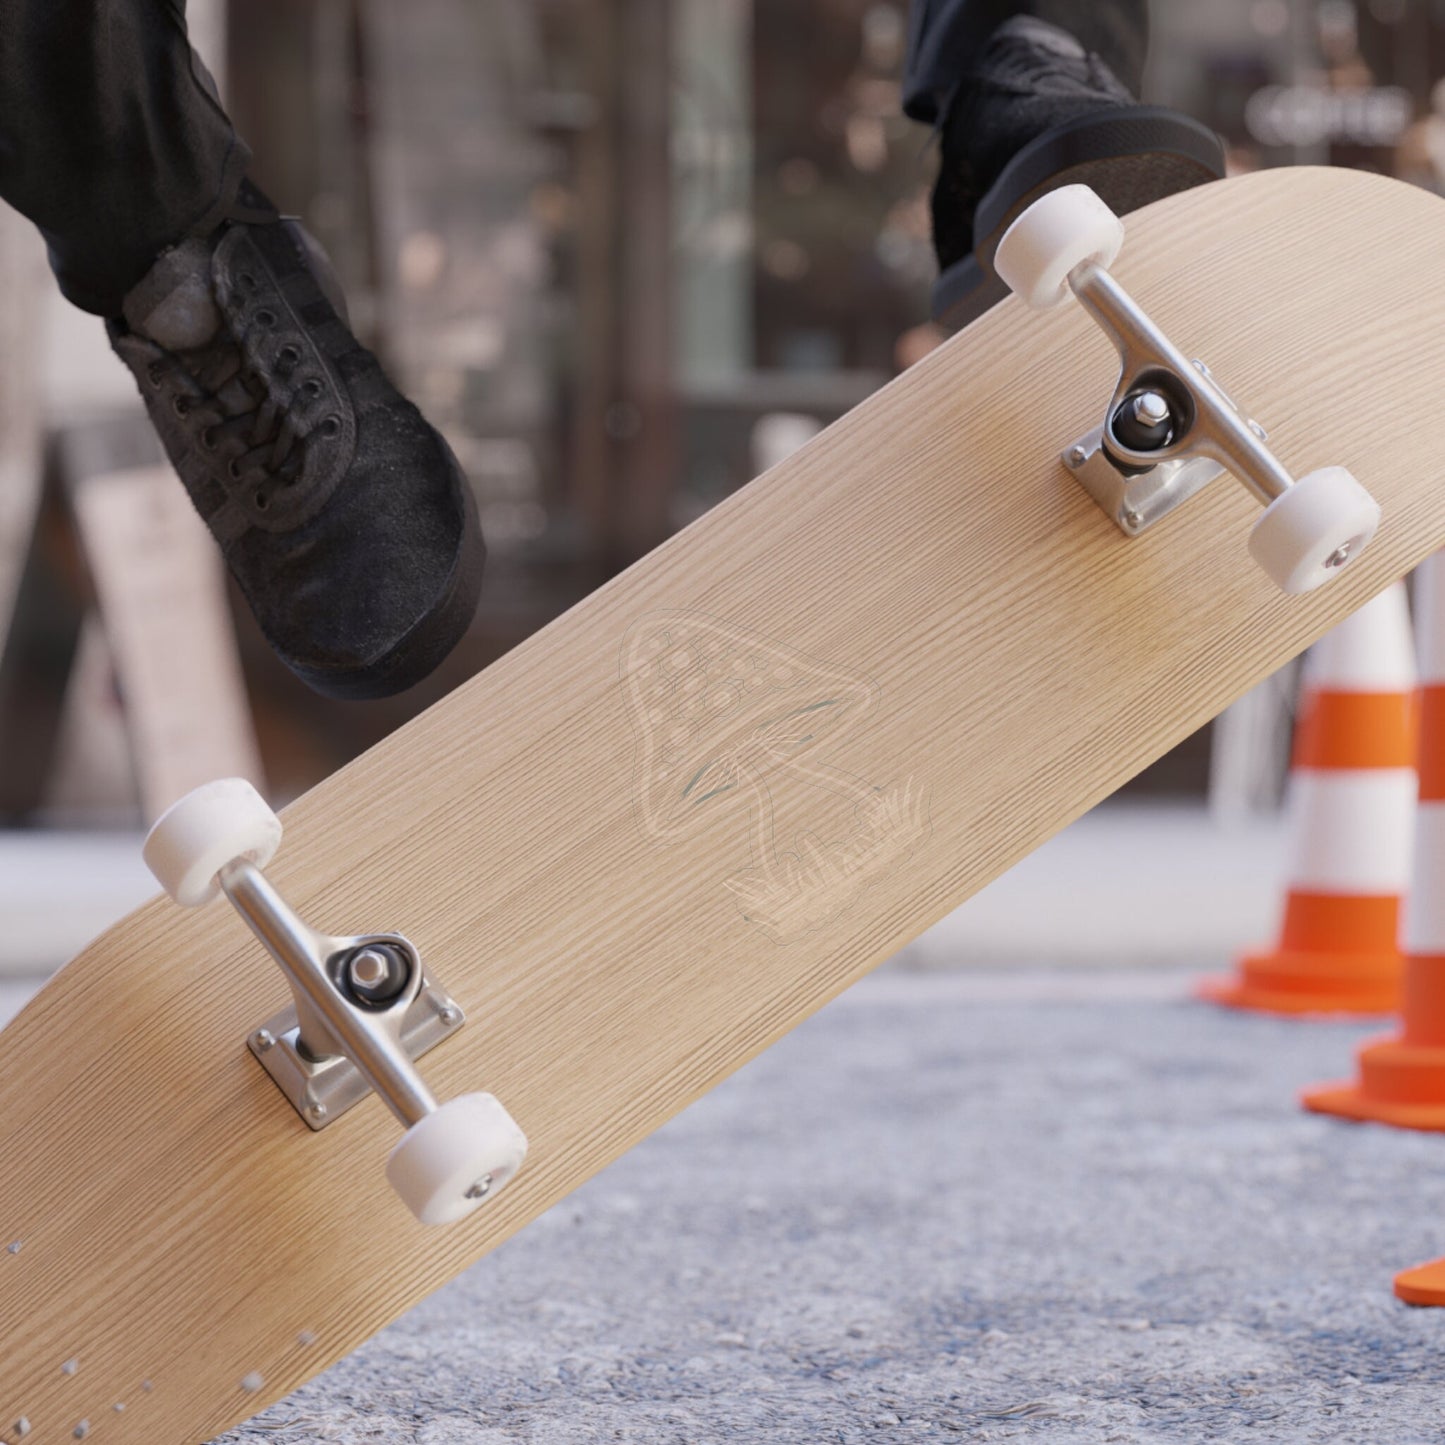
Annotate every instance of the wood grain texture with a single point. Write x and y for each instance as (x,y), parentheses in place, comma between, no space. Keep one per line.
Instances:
(945,628)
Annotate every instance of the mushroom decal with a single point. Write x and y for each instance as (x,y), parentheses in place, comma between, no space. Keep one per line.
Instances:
(719,711)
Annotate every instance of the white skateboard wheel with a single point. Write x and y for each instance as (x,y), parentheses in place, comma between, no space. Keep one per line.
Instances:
(1061,230)
(211,826)
(456,1159)
(1316,528)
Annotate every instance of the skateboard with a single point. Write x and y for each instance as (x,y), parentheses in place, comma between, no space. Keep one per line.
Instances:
(607,871)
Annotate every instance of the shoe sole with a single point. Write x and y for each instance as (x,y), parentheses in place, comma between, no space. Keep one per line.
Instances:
(1131,157)
(421,650)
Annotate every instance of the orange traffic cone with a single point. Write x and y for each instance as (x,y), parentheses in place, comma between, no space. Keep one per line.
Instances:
(1402,1078)
(1352,795)
(1422,1285)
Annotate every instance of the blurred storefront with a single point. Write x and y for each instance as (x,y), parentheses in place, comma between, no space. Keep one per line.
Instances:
(627,253)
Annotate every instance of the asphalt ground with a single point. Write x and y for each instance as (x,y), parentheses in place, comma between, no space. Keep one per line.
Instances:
(1033,1205)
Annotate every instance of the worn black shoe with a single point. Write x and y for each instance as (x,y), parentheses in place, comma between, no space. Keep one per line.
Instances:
(341,512)
(1037,112)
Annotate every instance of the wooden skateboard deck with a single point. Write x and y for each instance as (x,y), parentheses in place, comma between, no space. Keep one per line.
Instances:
(652,839)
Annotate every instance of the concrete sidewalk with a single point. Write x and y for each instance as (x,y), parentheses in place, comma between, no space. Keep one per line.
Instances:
(1055,1206)
(59,889)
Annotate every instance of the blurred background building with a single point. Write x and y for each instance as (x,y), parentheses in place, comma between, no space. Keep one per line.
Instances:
(625,254)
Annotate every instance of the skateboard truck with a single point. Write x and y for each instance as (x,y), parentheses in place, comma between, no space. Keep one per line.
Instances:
(1170,428)
(374,988)
(364,1009)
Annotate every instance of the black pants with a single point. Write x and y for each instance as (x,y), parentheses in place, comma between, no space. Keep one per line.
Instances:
(112,139)
(943,34)
(113,142)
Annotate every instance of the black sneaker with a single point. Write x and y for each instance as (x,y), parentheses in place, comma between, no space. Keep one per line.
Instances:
(1037,112)
(341,512)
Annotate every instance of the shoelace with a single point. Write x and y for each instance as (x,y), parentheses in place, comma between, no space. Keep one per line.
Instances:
(236,410)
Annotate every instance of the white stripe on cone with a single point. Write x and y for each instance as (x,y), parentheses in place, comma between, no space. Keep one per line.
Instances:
(1429,613)
(1423,927)
(1351,830)
(1370,651)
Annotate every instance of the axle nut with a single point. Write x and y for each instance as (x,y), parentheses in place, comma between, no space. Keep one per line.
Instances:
(376,973)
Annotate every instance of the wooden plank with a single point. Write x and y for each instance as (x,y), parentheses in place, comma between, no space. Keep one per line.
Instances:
(91,779)
(40,646)
(993,658)
(22,274)
(160,586)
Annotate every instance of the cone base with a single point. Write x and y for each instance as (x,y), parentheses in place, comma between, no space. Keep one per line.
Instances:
(1423,1285)
(1288,982)
(1399,1084)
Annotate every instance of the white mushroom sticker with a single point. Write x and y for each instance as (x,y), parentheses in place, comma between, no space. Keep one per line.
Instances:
(719,713)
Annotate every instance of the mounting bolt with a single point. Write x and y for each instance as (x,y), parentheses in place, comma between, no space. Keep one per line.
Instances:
(1077,456)
(316,1111)
(1132,518)
(451,1015)
(1339,556)
(481,1188)
(264,1039)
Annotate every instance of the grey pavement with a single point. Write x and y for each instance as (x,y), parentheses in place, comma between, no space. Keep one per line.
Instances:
(1066,1207)
(1033,1205)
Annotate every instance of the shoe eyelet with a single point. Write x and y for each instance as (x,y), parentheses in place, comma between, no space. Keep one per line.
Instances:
(232,470)
(180,405)
(265,317)
(311,388)
(246,280)
(208,439)
(153,374)
(287,357)
(262,501)
(331,426)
